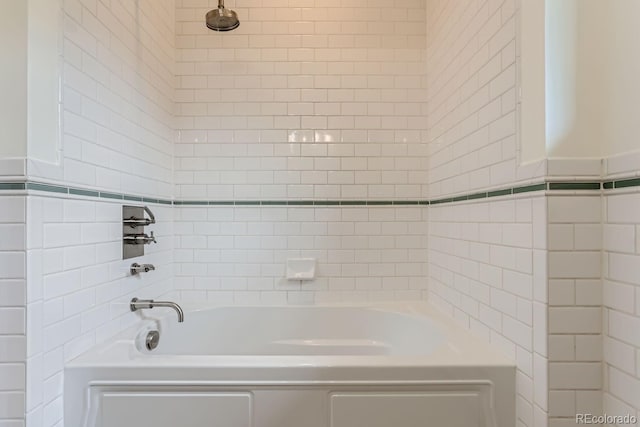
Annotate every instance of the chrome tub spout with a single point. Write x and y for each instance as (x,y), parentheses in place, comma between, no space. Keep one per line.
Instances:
(141,304)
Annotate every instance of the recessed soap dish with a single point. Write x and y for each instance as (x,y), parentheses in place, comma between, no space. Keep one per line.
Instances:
(301,268)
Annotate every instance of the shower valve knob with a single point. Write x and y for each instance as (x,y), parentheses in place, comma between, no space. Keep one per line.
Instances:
(144,268)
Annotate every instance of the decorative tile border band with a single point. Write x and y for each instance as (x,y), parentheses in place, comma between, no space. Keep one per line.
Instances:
(543,186)
(87,193)
(488,194)
(574,185)
(12,185)
(622,183)
(302,203)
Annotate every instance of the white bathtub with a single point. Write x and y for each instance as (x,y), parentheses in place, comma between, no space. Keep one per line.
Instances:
(399,365)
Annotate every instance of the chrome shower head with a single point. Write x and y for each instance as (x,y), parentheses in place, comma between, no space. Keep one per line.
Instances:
(222,19)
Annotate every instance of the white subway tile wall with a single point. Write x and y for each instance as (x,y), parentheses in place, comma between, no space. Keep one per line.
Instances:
(487,260)
(79,288)
(351,99)
(471,108)
(621,282)
(487,269)
(237,255)
(118,87)
(575,306)
(13,342)
(305,100)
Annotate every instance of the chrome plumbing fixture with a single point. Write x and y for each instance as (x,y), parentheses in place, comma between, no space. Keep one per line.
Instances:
(139,239)
(142,304)
(134,237)
(134,222)
(152,340)
(222,19)
(144,268)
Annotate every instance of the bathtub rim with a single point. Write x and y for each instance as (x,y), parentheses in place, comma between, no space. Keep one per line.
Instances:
(461,348)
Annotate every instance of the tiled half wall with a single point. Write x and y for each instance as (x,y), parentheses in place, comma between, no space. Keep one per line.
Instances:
(79,287)
(621,305)
(13,283)
(487,268)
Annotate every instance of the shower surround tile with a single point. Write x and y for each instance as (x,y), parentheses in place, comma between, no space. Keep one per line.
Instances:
(117,98)
(487,257)
(471,106)
(299,104)
(296,106)
(117,120)
(237,255)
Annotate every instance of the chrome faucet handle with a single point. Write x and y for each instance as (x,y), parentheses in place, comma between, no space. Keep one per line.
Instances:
(139,239)
(144,268)
(134,222)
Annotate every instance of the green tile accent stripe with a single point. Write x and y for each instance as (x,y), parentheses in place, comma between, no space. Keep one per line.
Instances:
(441,201)
(402,202)
(12,186)
(498,193)
(85,193)
(301,202)
(59,189)
(274,203)
(326,203)
(48,188)
(104,195)
(192,203)
(556,186)
(494,193)
(625,183)
(574,185)
(477,196)
(530,188)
